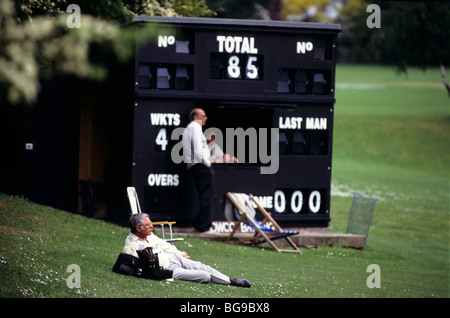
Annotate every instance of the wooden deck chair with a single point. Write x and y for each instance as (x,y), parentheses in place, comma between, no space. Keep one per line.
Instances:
(136,208)
(238,208)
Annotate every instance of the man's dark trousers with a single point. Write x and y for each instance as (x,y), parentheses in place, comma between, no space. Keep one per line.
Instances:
(204,180)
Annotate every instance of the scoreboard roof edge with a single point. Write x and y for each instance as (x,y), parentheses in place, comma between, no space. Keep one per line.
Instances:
(239,22)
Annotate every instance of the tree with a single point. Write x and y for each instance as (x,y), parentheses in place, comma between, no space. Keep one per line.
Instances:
(418,34)
(325,11)
(38,41)
(192,8)
(241,9)
(43,45)
(412,34)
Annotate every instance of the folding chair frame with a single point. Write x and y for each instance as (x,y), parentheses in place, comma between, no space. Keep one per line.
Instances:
(260,236)
(136,208)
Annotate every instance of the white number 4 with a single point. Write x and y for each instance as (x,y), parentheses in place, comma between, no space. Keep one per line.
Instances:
(161,139)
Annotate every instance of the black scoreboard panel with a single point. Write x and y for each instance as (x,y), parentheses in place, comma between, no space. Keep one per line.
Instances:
(265,86)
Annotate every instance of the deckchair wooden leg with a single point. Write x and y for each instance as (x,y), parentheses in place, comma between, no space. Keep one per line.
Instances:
(236,226)
(267,239)
(275,224)
(293,245)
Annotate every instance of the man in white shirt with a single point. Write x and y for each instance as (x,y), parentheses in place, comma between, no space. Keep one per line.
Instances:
(197,157)
(141,236)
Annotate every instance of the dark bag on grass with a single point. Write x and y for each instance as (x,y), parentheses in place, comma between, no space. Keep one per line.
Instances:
(149,263)
(146,266)
(127,265)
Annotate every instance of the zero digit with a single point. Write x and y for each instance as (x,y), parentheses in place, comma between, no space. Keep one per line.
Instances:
(314,201)
(296,201)
(279,201)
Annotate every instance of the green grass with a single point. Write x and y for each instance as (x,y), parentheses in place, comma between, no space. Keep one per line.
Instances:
(391,140)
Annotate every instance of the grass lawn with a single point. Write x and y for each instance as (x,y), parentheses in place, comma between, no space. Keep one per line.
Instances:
(391,140)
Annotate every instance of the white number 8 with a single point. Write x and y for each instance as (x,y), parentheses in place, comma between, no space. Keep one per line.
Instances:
(234,71)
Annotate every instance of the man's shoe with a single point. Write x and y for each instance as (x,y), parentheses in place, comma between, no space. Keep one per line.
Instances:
(240,282)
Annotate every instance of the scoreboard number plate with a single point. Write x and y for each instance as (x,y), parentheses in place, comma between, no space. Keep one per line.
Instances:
(234,67)
(297,201)
(237,66)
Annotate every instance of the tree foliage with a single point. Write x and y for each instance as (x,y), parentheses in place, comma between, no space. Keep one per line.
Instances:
(418,33)
(36,41)
(241,9)
(323,11)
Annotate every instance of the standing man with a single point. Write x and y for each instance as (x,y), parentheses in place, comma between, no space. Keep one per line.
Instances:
(197,156)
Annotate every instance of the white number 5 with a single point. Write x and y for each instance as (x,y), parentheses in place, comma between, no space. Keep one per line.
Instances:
(252,70)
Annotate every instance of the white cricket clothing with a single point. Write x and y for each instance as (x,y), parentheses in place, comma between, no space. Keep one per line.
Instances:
(170,258)
(195,147)
(133,244)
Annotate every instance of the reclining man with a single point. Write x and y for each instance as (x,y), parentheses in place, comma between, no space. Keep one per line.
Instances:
(170,257)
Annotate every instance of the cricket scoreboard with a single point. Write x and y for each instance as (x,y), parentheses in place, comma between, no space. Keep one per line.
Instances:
(267,88)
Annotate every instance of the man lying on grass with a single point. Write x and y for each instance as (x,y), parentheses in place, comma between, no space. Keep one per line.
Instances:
(170,258)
